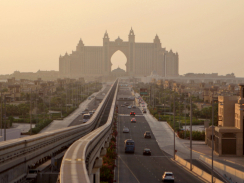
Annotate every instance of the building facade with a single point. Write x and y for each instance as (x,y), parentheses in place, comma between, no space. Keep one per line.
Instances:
(142,58)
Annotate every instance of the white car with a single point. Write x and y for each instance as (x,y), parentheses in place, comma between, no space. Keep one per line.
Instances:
(126,130)
(129,107)
(168,176)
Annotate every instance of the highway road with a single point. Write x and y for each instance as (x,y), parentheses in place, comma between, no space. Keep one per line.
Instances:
(75,118)
(135,167)
(92,105)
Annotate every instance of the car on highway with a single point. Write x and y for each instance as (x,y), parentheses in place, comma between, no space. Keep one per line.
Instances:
(129,107)
(129,146)
(132,113)
(133,106)
(127,104)
(133,120)
(91,113)
(86,117)
(144,110)
(146,151)
(126,130)
(122,105)
(143,105)
(147,134)
(168,176)
(83,112)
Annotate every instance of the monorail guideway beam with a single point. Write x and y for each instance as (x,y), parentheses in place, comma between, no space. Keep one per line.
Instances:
(17,155)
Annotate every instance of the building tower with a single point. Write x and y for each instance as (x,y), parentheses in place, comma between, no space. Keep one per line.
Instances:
(130,62)
(107,64)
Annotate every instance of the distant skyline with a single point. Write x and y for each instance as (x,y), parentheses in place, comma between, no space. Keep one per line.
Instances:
(208,35)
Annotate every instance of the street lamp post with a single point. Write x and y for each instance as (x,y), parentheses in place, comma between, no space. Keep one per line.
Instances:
(174,123)
(1,112)
(4,118)
(190,134)
(66,99)
(185,118)
(214,100)
(30,114)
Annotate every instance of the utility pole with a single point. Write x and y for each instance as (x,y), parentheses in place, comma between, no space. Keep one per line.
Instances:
(36,105)
(212,138)
(1,112)
(185,119)
(190,134)
(174,123)
(30,114)
(5,118)
(72,95)
(66,99)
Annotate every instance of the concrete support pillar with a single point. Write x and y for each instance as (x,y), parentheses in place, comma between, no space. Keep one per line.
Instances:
(106,145)
(103,152)
(95,176)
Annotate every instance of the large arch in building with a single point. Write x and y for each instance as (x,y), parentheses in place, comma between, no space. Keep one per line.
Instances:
(142,58)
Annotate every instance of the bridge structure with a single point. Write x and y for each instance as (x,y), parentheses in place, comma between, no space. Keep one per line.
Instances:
(85,145)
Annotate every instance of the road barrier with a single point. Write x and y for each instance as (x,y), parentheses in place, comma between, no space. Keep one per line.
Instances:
(231,174)
(196,170)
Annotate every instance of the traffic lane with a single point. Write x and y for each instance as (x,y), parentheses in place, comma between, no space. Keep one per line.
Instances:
(123,169)
(92,105)
(143,167)
(136,133)
(126,111)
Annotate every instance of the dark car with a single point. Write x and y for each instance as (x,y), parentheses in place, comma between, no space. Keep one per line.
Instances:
(147,134)
(83,112)
(144,110)
(91,113)
(147,151)
(132,113)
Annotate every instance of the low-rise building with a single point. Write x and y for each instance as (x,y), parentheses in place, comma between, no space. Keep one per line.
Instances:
(228,135)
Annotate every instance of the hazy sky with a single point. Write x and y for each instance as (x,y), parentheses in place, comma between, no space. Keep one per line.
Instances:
(207,34)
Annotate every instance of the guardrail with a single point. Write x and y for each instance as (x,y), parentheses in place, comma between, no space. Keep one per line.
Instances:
(83,160)
(17,155)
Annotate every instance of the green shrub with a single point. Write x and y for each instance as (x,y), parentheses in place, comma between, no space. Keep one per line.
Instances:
(40,126)
(196,135)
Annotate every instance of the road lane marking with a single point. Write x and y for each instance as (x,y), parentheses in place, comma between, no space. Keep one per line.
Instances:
(129,169)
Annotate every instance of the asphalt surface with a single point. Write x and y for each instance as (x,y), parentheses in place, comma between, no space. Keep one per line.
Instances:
(91,106)
(137,167)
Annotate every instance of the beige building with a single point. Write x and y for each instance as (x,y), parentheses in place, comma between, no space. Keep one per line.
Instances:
(228,137)
(142,58)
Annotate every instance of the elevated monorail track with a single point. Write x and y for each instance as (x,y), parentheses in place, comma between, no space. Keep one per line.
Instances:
(19,155)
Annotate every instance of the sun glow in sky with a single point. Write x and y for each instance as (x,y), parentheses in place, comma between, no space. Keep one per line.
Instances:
(208,35)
